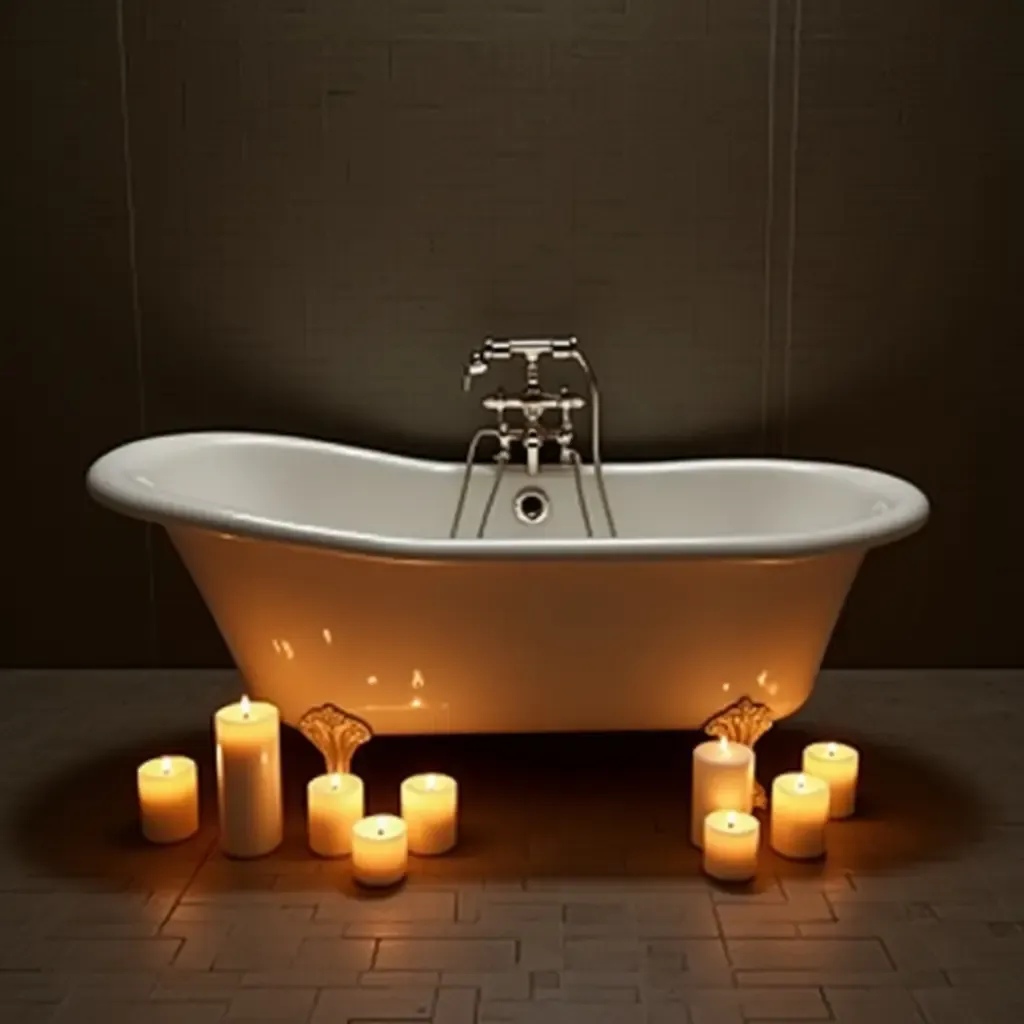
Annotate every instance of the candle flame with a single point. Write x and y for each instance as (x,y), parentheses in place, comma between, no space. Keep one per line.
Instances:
(730,820)
(381,822)
(830,749)
(801,782)
(723,742)
(430,782)
(335,780)
(245,705)
(165,765)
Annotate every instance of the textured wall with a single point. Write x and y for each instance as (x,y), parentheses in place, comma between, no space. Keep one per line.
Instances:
(779,226)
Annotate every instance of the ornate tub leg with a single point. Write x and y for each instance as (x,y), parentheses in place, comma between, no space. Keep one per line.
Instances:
(336,734)
(744,721)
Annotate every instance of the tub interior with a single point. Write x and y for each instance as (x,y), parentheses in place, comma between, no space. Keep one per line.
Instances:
(321,485)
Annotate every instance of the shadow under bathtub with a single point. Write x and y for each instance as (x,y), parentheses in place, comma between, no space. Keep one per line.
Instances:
(537,806)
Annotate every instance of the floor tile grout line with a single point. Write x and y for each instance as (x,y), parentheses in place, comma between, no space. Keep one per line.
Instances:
(188,882)
(828,1005)
(885,949)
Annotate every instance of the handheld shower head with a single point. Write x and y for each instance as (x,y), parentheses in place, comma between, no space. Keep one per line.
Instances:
(476,366)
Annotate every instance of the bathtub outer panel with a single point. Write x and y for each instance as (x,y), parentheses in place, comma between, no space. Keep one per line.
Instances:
(504,646)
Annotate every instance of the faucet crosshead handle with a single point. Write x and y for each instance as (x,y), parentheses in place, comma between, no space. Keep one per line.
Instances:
(530,349)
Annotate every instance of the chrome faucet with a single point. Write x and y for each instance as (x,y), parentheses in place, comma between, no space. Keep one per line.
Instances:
(532,404)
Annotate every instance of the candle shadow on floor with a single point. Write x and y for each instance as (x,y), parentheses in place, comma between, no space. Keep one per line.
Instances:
(532,807)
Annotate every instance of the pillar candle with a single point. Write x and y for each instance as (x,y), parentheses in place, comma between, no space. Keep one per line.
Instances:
(168,799)
(430,812)
(335,804)
(799,814)
(838,765)
(248,738)
(731,839)
(380,847)
(723,780)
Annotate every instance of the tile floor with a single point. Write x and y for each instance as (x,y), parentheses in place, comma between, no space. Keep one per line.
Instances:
(574,896)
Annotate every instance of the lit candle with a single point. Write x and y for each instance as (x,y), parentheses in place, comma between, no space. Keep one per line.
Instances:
(723,780)
(335,805)
(248,738)
(168,799)
(799,814)
(380,847)
(731,839)
(838,765)
(430,811)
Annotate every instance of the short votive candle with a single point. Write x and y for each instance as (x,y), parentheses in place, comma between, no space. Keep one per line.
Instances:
(839,766)
(731,840)
(168,799)
(799,813)
(334,805)
(380,848)
(430,809)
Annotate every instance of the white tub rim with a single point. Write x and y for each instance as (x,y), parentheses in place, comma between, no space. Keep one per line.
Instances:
(113,481)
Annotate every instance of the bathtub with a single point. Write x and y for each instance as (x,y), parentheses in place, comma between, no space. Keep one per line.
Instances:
(331,575)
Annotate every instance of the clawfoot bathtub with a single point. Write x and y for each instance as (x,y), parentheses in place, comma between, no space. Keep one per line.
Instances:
(331,575)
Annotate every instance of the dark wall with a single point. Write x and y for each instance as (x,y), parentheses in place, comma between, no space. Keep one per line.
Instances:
(778,226)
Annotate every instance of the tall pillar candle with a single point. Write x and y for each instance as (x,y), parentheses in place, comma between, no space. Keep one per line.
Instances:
(248,736)
(380,851)
(334,805)
(838,765)
(430,812)
(168,799)
(723,780)
(799,814)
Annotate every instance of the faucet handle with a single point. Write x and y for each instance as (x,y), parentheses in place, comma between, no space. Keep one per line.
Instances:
(531,349)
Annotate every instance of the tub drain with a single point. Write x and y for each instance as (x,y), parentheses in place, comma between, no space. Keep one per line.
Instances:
(531,506)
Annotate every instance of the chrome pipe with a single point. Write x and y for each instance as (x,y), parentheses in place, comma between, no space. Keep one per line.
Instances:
(595,437)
